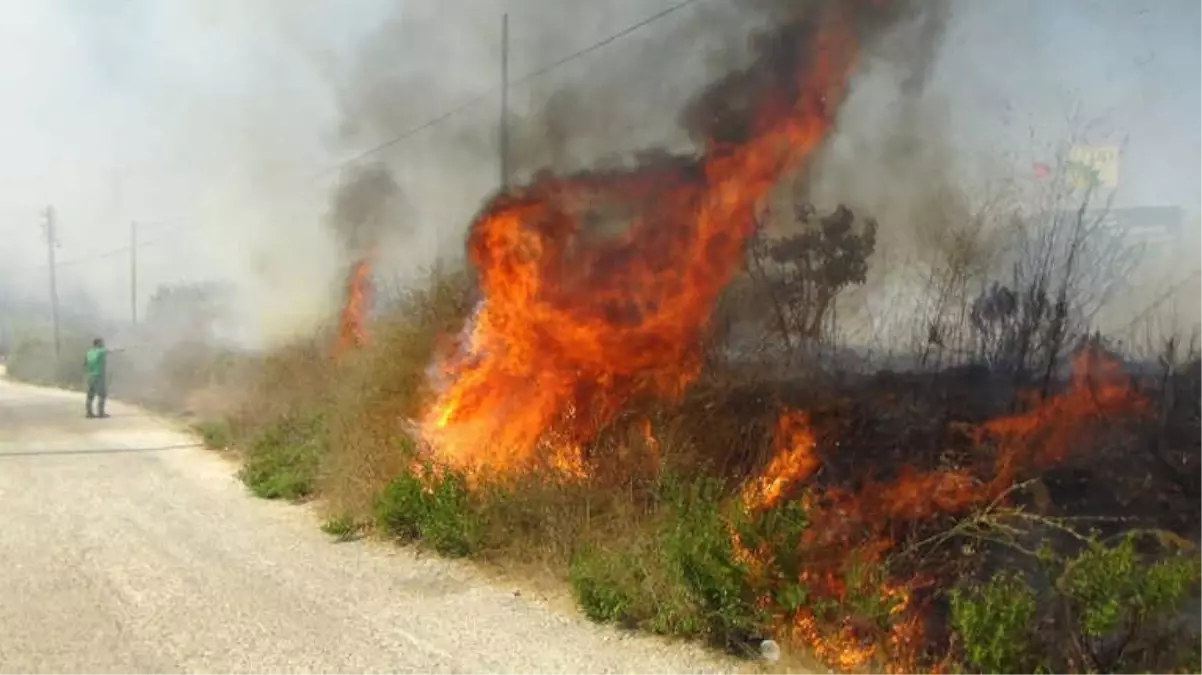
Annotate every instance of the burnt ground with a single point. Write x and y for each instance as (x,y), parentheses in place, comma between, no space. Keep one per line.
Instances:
(1142,470)
(1129,471)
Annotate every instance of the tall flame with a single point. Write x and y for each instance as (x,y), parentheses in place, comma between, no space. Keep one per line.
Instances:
(352,326)
(568,331)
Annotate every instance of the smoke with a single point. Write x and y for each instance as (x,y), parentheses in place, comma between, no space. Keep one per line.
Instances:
(600,110)
(204,124)
(365,208)
(207,123)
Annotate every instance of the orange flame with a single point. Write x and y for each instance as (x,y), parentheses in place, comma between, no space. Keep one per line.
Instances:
(793,460)
(1046,434)
(568,332)
(847,528)
(352,328)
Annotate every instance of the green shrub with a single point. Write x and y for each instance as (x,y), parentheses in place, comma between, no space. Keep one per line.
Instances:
(431,506)
(635,587)
(400,508)
(1124,607)
(217,434)
(687,576)
(450,523)
(32,361)
(342,527)
(1114,610)
(604,584)
(697,544)
(994,623)
(776,534)
(283,459)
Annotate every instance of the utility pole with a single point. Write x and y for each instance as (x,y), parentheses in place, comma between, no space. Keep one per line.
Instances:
(51,243)
(133,271)
(504,130)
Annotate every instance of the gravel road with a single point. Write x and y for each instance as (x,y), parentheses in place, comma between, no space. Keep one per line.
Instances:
(124,547)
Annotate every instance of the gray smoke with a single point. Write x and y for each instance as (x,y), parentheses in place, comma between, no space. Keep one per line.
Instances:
(365,208)
(598,110)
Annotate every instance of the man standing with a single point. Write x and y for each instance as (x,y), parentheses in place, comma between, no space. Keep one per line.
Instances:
(95,364)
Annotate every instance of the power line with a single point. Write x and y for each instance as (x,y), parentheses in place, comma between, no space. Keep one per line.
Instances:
(598,45)
(93,258)
(439,119)
(124,250)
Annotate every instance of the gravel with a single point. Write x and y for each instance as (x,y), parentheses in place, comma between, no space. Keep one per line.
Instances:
(127,548)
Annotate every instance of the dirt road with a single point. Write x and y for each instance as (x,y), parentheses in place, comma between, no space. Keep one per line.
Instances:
(126,548)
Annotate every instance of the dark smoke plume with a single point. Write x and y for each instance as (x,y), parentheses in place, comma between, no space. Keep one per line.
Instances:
(724,111)
(364,207)
(654,93)
(727,111)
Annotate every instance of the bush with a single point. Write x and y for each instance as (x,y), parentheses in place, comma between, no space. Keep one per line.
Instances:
(685,575)
(1123,608)
(283,459)
(217,434)
(432,506)
(994,623)
(401,507)
(605,585)
(1113,612)
(342,527)
(166,381)
(776,533)
(697,544)
(634,587)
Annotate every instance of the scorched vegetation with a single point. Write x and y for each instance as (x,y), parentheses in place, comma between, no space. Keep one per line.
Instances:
(665,418)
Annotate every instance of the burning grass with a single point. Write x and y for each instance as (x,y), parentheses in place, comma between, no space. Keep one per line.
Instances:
(567,419)
(746,511)
(352,332)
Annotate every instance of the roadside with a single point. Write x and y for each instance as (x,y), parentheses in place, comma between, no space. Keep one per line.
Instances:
(129,548)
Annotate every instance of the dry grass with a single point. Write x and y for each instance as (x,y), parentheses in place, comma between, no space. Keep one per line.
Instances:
(360,400)
(622,538)
(376,389)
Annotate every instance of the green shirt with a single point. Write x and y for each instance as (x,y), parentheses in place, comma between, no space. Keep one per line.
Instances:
(94,363)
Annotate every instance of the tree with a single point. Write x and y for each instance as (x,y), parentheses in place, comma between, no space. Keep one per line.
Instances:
(1061,262)
(801,275)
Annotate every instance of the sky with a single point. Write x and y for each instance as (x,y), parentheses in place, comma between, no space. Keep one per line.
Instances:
(1133,66)
(213,123)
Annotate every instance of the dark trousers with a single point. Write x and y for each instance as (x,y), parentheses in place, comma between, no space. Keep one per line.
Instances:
(96,391)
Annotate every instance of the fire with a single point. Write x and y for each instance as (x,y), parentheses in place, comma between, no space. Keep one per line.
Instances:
(848,532)
(793,460)
(568,331)
(652,445)
(352,329)
(848,528)
(1046,434)
(571,328)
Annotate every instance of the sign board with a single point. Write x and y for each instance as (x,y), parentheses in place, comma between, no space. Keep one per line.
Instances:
(1096,164)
